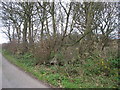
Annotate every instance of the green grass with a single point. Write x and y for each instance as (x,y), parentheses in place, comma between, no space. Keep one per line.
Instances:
(57,76)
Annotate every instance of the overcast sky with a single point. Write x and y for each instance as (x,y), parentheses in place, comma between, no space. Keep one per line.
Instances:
(3,38)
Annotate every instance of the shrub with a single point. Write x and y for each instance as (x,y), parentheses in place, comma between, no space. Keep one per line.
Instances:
(70,55)
(45,50)
(11,46)
(42,52)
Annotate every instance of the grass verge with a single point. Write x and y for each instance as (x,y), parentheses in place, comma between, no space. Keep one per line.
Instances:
(56,76)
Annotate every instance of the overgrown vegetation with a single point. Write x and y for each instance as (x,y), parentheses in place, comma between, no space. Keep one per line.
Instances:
(89,75)
(70,45)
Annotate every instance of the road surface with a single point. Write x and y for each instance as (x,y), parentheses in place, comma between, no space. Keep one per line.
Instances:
(0,71)
(13,77)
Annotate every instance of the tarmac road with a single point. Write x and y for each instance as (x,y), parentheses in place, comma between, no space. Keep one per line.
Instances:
(13,77)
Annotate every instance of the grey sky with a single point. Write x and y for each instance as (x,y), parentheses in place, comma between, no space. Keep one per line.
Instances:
(3,38)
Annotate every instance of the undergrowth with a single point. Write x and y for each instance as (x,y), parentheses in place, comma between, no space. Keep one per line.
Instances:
(92,74)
